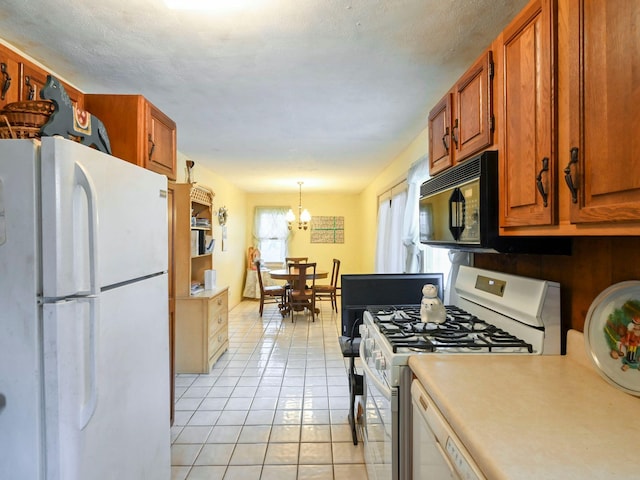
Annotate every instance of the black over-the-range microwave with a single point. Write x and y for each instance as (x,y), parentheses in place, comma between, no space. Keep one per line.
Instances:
(459,210)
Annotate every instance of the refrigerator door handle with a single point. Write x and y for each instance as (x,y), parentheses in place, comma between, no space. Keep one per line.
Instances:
(83,180)
(89,407)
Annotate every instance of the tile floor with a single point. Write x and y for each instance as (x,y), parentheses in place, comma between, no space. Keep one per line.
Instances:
(273,407)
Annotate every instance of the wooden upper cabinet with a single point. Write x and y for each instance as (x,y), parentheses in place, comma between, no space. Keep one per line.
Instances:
(461,124)
(604,82)
(139,133)
(34,78)
(473,124)
(22,80)
(9,76)
(527,161)
(161,143)
(440,157)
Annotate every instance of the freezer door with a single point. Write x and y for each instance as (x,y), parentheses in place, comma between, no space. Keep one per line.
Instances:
(104,220)
(21,419)
(106,363)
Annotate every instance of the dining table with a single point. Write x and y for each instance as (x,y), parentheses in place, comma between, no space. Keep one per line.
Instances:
(284,274)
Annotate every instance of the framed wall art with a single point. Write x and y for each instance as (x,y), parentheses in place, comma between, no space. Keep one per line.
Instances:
(327,229)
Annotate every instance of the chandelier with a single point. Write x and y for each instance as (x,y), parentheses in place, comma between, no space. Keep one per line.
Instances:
(304,217)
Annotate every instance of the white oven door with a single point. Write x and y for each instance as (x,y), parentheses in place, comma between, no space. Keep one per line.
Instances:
(437,453)
(380,427)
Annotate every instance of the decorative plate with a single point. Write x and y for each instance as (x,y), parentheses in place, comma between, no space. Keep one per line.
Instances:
(222,215)
(612,335)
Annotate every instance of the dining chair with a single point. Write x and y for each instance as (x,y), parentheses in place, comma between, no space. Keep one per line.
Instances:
(271,293)
(289,260)
(330,292)
(301,293)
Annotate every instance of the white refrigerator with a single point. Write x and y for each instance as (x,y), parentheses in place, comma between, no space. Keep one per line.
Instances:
(84,347)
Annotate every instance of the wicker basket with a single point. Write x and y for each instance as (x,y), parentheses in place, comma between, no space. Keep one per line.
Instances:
(24,119)
(8,131)
(35,106)
(33,113)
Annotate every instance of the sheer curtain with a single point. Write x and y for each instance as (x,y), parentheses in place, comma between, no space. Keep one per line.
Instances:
(390,251)
(418,173)
(398,248)
(271,234)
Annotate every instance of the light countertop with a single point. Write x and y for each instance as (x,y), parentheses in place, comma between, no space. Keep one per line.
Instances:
(536,417)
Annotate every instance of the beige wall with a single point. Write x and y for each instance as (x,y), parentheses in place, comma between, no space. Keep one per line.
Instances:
(360,211)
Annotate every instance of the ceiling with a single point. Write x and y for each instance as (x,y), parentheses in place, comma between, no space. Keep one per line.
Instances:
(270,92)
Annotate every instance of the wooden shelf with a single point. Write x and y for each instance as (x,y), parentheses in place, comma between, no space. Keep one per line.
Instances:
(201,318)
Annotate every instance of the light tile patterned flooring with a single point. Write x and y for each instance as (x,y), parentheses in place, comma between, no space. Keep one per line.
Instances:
(273,407)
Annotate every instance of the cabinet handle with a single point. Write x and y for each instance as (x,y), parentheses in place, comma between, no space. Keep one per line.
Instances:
(545,168)
(567,175)
(153,146)
(444,139)
(453,133)
(32,87)
(7,80)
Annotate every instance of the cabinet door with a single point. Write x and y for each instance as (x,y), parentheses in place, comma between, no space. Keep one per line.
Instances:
(604,168)
(440,151)
(527,160)
(473,126)
(9,76)
(161,136)
(34,78)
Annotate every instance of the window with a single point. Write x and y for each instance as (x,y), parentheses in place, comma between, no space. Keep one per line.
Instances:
(271,234)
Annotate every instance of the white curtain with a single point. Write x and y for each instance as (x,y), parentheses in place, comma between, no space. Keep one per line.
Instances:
(390,251)
(398,247)
(271,233)
(418,173)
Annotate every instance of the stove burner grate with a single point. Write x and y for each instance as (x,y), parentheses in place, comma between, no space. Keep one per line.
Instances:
(402,327)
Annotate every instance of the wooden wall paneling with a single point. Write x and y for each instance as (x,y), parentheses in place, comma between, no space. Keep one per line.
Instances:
(595,264)
(591,273)
(625,259)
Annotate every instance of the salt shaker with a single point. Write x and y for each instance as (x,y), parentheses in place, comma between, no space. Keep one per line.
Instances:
(431,307)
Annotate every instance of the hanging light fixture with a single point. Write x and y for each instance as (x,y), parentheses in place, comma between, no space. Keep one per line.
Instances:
(304,217)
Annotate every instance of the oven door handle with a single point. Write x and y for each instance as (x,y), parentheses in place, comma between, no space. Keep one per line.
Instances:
(370,376)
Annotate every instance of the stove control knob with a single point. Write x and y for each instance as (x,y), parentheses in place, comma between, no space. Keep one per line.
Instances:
(381,363)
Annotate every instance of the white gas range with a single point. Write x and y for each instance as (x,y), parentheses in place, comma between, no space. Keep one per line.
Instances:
(496,314)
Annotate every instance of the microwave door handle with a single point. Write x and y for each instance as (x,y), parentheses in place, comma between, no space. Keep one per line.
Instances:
(456,212)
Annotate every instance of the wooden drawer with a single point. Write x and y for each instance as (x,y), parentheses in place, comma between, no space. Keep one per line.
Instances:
(216,342)
(201,331)
(217,323)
